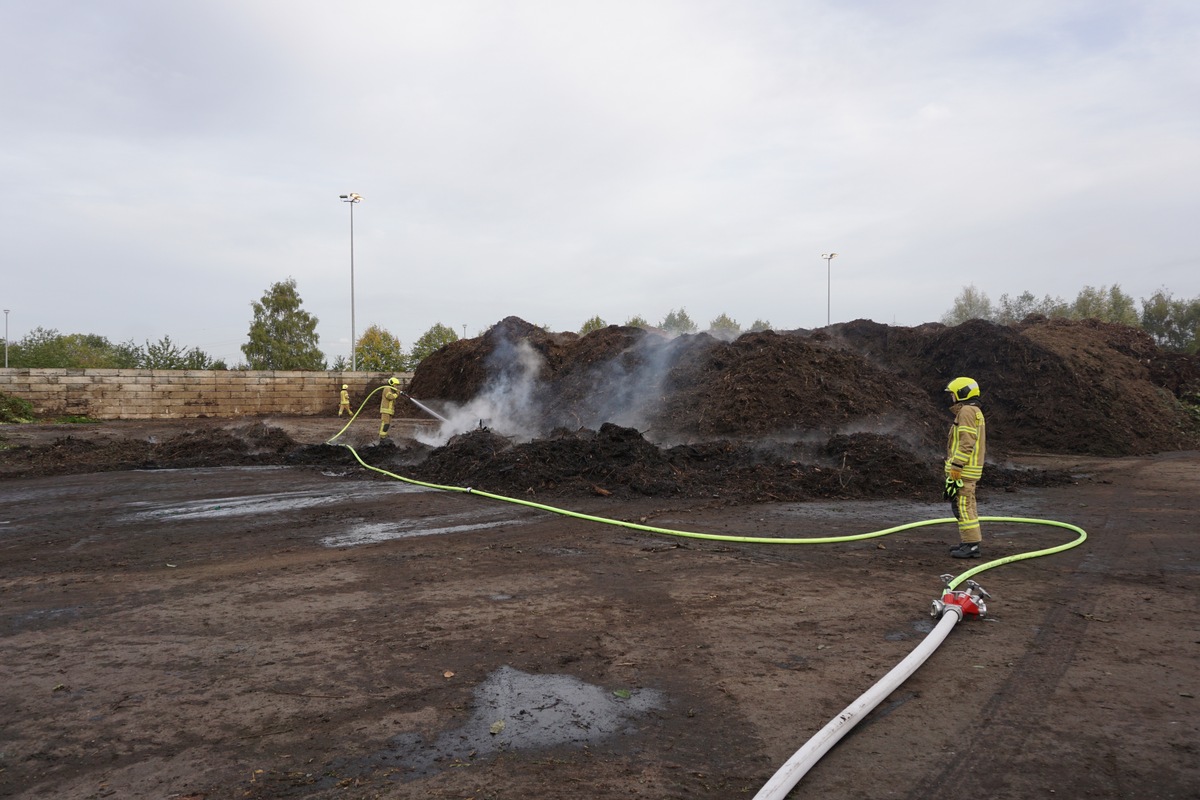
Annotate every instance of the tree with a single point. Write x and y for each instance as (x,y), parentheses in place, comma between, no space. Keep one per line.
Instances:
(163,354)
(637,321)
(1108,304)
(283,335)
(125,355)
(198,359)
(49,349)
(970,304)
(436,337)
(593,324)
(92,351)
(1013,310)
(1105,304)
(724,328)
(1174,324)
(39,349)
(380,351)
(678,322)
(761,325)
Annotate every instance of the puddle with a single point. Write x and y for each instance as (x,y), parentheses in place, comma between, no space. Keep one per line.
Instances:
(563,551)
(921,626)
(42,616)
(515,710)
(247,505)
(370,533)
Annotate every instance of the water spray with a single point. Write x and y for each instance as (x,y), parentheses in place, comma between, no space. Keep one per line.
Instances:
(423,407)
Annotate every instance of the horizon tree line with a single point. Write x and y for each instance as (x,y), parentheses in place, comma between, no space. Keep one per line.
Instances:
(282,335)
(1173,323)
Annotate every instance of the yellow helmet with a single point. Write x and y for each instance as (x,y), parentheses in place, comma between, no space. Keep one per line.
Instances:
(344,386)
(962,389)
(393,381)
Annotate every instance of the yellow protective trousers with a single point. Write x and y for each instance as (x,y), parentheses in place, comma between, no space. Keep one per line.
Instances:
(967,514)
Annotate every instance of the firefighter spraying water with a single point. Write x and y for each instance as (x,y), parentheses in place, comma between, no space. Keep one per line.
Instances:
(387,406)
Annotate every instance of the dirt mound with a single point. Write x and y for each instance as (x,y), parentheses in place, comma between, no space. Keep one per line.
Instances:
(678,389)
(461,369)
(1049,385)
(600,461)
(851,411)
(770,384)
(1057,386)
(252,444)
(619,461)
(70,455)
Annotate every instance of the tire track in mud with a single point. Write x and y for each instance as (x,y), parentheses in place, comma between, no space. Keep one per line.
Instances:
(982,771)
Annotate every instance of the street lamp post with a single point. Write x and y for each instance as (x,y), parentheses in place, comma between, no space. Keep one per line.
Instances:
(352,198)
(828,283)
(6,338)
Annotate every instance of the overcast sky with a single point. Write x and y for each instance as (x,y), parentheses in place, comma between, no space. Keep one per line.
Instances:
(164,163)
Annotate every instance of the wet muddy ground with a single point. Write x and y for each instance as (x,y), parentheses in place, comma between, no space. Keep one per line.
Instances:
(317,632)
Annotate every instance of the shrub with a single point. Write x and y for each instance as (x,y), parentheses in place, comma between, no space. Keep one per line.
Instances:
(14,409)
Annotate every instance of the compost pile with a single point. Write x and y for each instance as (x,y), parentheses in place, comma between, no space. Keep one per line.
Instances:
(617,461)
(853,410)
(246,444)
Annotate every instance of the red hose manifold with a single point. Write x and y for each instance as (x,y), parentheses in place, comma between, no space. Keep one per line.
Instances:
(969,600)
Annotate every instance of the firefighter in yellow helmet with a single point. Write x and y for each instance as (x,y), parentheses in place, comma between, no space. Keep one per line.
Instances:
(344,400)
(387,406)
(965,450)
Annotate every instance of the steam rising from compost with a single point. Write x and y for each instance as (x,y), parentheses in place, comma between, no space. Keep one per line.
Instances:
(518,402)
(508,401)
(524,383)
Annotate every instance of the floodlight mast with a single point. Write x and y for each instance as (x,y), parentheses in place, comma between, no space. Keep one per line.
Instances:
(828,284)
(353,198)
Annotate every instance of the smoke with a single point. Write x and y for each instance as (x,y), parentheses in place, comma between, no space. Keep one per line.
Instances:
(508,402)
(627,389)
(523,400)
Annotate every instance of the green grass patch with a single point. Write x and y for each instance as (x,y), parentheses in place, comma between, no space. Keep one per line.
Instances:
(14,409)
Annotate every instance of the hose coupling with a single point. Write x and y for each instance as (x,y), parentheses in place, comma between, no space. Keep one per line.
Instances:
(969,600)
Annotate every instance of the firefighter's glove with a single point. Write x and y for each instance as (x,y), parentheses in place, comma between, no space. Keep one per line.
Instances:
(955,473)
(952,487)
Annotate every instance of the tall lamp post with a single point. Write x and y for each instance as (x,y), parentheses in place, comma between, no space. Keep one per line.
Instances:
(353,198)
(828,283)
(6,338)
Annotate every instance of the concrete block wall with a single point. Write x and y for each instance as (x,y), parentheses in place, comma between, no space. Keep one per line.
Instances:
(179,394)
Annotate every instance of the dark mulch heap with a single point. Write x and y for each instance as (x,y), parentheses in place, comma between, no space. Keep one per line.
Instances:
(619,461)
(852,411)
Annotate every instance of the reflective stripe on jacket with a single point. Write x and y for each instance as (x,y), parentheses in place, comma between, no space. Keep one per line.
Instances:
(967,442)
(388,404)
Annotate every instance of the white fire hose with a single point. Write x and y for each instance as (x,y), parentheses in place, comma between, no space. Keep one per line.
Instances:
(950,608)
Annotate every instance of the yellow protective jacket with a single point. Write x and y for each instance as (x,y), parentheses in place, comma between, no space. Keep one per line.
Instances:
(967,443)
(388,404)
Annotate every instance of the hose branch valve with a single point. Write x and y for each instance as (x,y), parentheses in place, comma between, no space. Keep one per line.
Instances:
(970,601)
